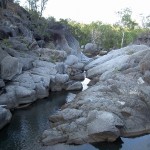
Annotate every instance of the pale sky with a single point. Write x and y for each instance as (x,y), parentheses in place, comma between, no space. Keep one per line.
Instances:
(86,11)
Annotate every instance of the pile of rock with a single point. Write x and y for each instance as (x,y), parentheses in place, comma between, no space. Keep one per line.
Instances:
(28,72)
(117,105)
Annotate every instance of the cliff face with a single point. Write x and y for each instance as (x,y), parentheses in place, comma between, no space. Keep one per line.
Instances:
(35,58)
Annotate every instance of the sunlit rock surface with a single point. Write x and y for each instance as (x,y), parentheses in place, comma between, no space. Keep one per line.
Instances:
(117,105)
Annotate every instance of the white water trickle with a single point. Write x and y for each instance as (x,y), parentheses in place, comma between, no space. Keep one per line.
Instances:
(85,83)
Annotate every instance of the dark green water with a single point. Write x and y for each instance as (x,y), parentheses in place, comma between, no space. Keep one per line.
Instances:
(27,125)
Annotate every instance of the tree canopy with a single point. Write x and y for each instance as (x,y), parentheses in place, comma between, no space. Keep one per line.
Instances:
(106,36)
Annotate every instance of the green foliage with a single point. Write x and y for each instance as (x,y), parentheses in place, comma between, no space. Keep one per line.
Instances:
(39,26)
(126,19)
(146,21)
(5,42)
(106,36)
(80,31)
(37,5)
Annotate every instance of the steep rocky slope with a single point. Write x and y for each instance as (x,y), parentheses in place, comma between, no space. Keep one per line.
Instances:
(118,105)
(33,64)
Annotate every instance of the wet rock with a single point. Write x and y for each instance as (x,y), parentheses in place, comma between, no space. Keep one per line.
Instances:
(103,126)
(53,137)
(5,116)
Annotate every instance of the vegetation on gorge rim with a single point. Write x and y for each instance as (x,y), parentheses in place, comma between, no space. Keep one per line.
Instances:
(106,36)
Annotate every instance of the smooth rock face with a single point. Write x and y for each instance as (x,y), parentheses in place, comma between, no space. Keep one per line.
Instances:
(5,117)
(118,105)
(10,67)
(103,125)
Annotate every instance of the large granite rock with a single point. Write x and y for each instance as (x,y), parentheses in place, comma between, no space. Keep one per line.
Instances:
(10,67)
(118,105)
(65,41)
(116,60)
(29,86)
(91,50)
(58,82)
(74,68)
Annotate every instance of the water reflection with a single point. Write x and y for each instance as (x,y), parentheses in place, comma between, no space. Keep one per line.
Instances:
(117,145)
(27,125)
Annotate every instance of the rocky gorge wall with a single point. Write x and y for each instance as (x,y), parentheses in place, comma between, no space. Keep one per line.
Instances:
(117,104)
(28,71)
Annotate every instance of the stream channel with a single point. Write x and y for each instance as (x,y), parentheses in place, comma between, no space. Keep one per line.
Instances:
(27,125)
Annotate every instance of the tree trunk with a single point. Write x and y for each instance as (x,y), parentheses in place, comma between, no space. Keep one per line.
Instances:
(122,41)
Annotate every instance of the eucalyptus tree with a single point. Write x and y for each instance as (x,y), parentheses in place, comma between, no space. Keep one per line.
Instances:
(37,5)
(126,22)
